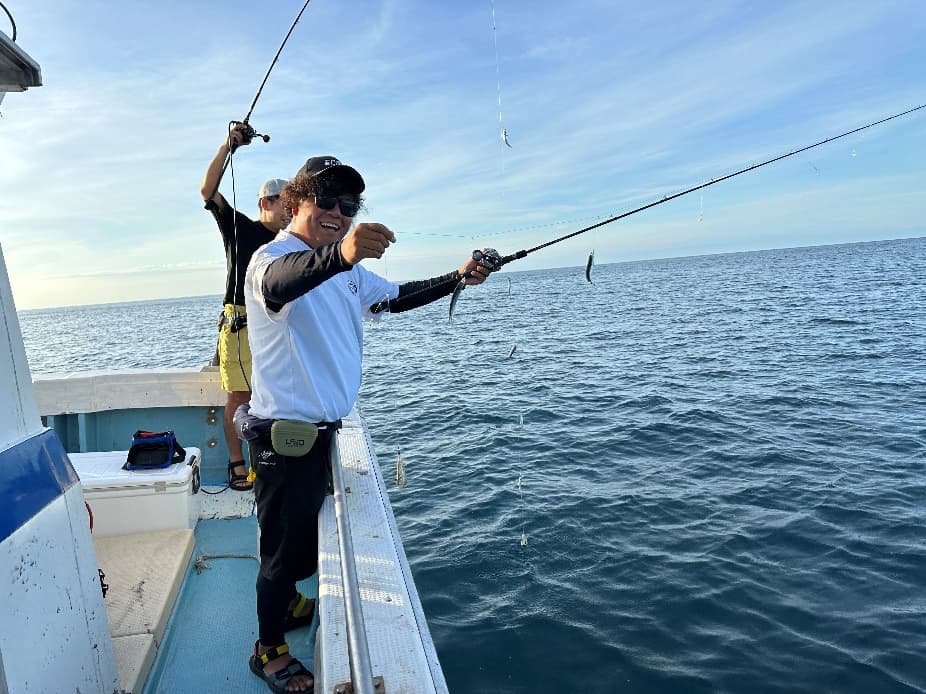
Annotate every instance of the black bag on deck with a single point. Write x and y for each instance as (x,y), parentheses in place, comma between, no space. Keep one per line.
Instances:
(153,449)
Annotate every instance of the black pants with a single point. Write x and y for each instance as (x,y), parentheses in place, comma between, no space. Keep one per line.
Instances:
(289,493)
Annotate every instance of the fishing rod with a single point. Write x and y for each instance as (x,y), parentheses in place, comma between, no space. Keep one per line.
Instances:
(493,260)
(496,261)
(248,133)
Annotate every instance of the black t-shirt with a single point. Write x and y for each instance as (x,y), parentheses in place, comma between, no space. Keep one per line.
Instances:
(241,238)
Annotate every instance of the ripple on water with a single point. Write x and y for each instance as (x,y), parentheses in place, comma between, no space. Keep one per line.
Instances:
(722,464)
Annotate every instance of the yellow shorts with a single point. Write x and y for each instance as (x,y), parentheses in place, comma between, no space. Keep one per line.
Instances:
(234,354)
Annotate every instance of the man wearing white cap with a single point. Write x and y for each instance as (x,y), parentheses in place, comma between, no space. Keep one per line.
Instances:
(241,237)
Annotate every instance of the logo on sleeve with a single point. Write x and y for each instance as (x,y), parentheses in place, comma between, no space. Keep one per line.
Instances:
(352,286)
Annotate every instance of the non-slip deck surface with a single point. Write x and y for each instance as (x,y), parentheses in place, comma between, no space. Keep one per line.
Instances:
(212,631)
(144,573)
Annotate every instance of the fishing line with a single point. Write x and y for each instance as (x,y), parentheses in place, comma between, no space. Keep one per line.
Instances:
(513,230)
(244,374)
(498,82)
(520,475)
(520,254)
(493,260)
(248,133)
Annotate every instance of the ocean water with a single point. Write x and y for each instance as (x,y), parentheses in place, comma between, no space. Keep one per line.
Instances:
(718,464)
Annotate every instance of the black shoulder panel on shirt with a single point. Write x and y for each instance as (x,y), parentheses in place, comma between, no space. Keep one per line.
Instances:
(294,274)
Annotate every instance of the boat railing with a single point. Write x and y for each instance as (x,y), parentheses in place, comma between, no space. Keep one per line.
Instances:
(358,651)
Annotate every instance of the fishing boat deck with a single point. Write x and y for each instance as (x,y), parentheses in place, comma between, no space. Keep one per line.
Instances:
(213,627)
(143,574)
(181,603)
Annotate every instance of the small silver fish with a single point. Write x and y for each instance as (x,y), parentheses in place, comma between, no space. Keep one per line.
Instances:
(588,267)
(400,480)
(505,137)
(513,348)
(455,297)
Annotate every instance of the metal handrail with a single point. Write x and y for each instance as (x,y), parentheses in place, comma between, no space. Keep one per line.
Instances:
(358,651)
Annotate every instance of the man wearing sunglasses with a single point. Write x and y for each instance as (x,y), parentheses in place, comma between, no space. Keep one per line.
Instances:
(306,295)
(241,236)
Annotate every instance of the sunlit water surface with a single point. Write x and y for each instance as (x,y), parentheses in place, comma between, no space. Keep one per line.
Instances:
(722,465)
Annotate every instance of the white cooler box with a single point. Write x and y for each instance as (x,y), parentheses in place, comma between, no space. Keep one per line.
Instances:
(125,502)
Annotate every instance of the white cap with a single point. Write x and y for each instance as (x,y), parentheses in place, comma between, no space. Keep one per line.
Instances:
(272,187)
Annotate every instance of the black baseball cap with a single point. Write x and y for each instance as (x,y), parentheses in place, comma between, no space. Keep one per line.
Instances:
(332,167)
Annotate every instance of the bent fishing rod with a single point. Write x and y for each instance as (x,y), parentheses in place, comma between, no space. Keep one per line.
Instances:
(495,261)
(491,259)
(249,133)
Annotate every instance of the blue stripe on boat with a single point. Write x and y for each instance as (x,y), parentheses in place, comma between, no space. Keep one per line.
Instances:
(32,474)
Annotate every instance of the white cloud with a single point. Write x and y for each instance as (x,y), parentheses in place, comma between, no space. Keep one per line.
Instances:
(607,107)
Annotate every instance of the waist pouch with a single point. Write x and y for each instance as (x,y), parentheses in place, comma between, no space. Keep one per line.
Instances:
(292,437)
(289,437)
(152,450)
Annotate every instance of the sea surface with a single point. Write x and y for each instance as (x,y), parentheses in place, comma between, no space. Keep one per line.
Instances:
(717,463)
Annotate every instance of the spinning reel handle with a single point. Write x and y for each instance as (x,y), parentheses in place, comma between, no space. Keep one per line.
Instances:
(247,133)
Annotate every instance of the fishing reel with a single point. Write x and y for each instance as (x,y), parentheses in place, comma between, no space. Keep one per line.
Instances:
(237,322)
(247,133)
(489,258)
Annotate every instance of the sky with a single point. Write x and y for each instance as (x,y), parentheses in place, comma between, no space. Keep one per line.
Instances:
(608,106)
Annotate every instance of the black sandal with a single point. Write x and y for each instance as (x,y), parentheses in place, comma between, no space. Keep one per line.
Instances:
(236,481)
(278,680)
(301,614)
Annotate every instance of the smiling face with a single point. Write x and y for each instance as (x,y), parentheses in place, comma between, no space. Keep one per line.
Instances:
(311,222)
(318,227)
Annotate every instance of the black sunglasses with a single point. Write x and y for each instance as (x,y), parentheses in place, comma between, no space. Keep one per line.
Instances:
(349,207)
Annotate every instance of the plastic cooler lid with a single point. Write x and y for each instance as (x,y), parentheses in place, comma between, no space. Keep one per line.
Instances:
(104,469)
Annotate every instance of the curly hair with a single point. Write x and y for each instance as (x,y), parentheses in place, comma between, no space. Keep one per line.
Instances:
(306,187)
